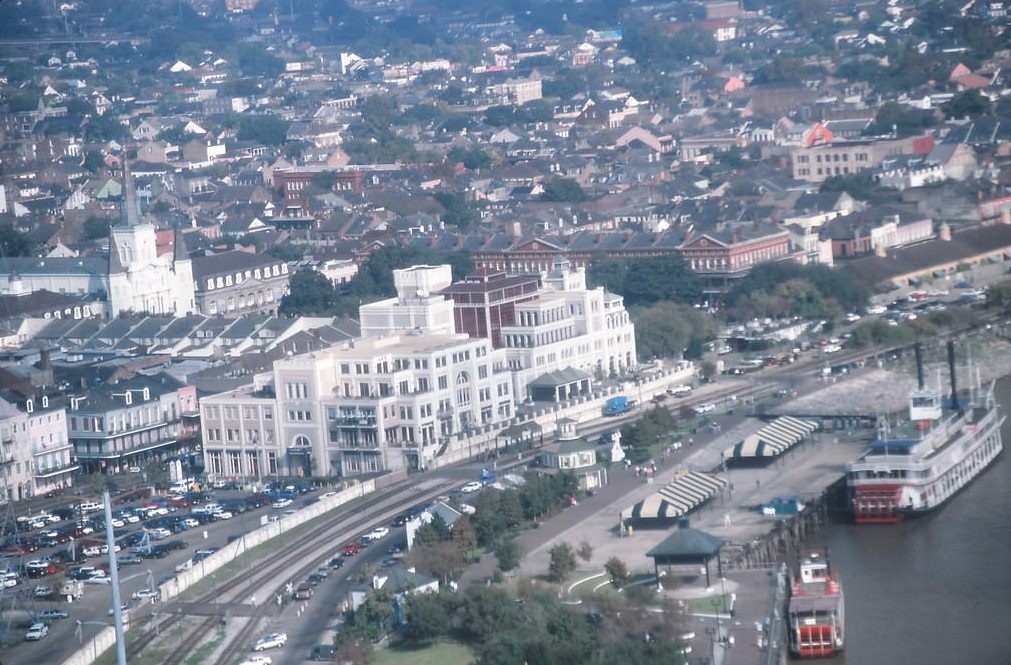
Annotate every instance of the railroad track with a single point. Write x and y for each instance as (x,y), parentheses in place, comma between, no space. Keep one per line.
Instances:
(284,564)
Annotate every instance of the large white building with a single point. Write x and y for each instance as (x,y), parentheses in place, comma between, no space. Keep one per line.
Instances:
(393,398)
(568,326)
(412,387)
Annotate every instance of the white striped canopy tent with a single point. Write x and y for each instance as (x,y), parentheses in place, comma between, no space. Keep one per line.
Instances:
(774,439)
(688,491)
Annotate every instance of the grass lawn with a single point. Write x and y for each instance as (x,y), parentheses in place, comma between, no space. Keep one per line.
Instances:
(710,605)
(441,653)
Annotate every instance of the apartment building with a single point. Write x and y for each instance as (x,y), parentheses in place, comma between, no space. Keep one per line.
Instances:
(131,422)
(35,455)
(819,162)
(393,398)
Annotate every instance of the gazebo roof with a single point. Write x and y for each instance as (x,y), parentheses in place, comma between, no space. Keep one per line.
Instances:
(687,542)
(559,377)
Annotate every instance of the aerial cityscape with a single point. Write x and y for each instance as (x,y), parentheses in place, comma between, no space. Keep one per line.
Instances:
(504,332)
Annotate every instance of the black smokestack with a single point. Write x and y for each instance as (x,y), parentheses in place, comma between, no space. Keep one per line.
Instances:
(951,371)
(919,365)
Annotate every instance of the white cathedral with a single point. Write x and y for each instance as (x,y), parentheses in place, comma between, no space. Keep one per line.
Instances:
(135,278)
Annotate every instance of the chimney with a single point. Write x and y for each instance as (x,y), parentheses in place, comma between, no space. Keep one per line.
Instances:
(44,358)
(944,233)
(954,378)
(919,365)
(880,250)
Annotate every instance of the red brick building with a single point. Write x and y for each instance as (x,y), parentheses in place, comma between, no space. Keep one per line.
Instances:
(485,301)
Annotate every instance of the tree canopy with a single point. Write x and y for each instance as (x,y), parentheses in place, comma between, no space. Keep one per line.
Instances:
(670,330)
(13,242)
(778,289)
(649,280)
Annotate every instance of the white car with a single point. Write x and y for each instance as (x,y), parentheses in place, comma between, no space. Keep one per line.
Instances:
(36,632)
(99,579)
(191,523)
(472,486)
(258,659)
(223,515)
(282,503)
(271,641)
(705,408)
(327,495)
(379,533)
(145,593)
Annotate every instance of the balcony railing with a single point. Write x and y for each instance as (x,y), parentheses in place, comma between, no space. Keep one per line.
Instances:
(56,471)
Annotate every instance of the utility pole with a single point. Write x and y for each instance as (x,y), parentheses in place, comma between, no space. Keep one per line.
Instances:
(117,607)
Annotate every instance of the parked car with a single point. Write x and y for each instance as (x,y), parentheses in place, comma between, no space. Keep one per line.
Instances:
(351,549)
(43,592)
(303,591)
(51,615)
(473,486)
(257,659)
(142,594)
(36,632)
(271,641)
(282,503)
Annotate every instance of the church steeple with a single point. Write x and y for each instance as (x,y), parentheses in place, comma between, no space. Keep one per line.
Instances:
(129,210)
(179,252)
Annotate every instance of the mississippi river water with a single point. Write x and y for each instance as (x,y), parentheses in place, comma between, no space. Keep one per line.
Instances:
(935,590)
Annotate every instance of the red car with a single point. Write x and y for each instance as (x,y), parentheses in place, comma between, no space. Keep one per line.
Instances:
(179,503)
(351,549)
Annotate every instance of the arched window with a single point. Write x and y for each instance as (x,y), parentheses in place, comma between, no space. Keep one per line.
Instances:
(462,378)
(302,441)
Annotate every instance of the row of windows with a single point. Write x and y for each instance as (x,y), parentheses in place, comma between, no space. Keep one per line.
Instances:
(832,157)
(235,463)
(244,301)
(232,412)
(239,277)
(248,436)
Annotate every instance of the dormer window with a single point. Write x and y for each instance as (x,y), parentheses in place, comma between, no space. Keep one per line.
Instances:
(29,405)
(128,397)
(147,394)
(45,401)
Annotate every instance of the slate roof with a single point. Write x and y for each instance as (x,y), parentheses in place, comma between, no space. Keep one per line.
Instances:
(36,302)
(687,542)
(925,256)
(54,265)
(228,263)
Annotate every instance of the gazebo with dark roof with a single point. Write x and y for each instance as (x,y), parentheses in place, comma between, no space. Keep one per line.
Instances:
(687,547)
(559,385)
